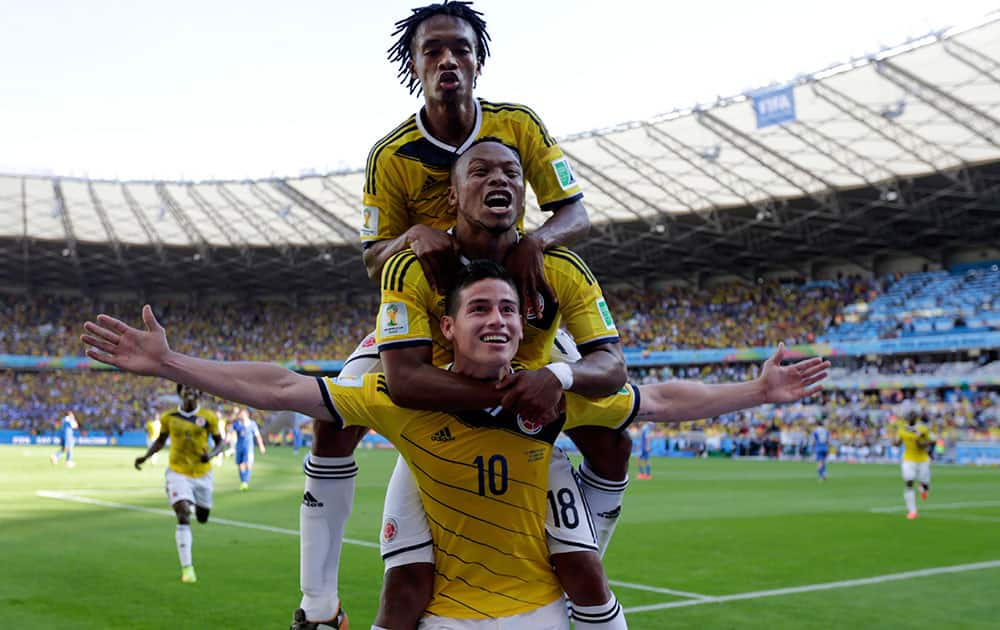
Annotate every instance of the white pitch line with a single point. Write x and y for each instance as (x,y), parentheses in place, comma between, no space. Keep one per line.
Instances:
(222,521)
(963,517)
(656,589)
(826,586)
(936,506)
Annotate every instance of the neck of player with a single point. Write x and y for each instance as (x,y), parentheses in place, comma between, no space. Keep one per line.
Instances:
(480,370)
(479,242)
(450,122)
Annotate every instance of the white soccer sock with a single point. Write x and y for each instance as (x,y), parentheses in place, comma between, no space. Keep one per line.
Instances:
(184,540)
(608,616)
(911,499)
(326,504)
(604,502)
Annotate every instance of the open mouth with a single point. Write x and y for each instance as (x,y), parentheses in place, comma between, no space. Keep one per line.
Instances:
(495,338)
(448,80)
(499,199)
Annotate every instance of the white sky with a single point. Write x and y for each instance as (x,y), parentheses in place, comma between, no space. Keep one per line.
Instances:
(233,89)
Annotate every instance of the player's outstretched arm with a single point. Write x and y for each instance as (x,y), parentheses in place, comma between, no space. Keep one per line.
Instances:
(155,447)
(679,401)
(146,352)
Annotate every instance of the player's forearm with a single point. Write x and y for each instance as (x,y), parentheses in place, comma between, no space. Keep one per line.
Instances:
(219,446)
(434,389)
(255,383)
(378,253)
(565,226)
(680,401)
(154,448)
(599,373)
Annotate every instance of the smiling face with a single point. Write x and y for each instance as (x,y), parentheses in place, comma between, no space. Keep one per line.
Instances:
(485,327)
(443,58)
(487,187)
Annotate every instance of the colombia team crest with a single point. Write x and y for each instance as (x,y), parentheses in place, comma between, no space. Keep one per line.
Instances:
(529,427)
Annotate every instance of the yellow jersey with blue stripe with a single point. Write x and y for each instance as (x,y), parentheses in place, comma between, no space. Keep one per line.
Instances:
(916,440)
(410,312)
(189,433)
(407,172)
(483,480)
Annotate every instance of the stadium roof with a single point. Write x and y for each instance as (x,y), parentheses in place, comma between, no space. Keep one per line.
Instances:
(885,153)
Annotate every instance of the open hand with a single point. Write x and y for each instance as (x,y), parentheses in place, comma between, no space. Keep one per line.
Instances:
(114,342)
(525,263)
(788,383)
(534,394)
(437,253)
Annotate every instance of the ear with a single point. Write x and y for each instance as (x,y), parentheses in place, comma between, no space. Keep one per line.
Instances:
(452,196)
(448,327)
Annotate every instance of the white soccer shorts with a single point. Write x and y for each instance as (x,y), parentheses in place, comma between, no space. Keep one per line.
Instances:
(919,471)
(406,537)
(564,348)
(197,490)
(549,617)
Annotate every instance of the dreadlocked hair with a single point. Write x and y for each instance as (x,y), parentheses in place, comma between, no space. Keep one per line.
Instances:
(407,28)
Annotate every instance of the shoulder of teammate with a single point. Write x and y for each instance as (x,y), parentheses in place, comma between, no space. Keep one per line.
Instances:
(403,273)
(616,412)
(406,302)
(545,165)
(358,400)
(584,310)
(383,149)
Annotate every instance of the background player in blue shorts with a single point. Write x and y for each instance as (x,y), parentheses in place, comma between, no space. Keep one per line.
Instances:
(67,438)
(645,440)
(246,432)
(821,448)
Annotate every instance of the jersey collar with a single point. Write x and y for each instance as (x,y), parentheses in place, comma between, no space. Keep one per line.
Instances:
(189,414)
(447,147)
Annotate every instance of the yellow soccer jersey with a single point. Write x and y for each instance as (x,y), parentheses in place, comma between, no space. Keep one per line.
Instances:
(407,173)
(189,439)
(483,479)
(915,440)
(153,428)
(410,312)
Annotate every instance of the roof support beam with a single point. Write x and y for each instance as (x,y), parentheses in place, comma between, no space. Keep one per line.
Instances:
(597,177)
(25,242)
(963,114)
(234,237)
(844,156)
(911,143)
(70,235)
(983,64)
(109,230)
(190,229)
(147,227)
(251,220)
(346,231)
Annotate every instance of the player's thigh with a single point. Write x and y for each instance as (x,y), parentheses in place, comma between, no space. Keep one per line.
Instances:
(178,487)
(363,359)
(924,472)
(242,456)
(406,535)
(549,617)
(909,470)
(567,519)
(204,489)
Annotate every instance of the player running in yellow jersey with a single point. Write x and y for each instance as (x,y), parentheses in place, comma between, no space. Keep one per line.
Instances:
(917,441)
(469,464)
(189,471)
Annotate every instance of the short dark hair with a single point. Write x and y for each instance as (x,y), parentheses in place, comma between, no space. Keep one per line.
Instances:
(179,386)
(470,274)
(484,140)
(407,28)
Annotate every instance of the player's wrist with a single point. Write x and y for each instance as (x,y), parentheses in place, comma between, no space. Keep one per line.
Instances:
(563,373)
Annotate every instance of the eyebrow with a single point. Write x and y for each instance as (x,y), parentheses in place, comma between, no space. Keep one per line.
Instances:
(476,161)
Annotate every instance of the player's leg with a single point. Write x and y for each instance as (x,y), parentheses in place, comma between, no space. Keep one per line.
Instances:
(327,501)
(69,454)
(909,495)
(573,550)
(242,457)
(924,477)
(181,498)
(408,552)
(603,476)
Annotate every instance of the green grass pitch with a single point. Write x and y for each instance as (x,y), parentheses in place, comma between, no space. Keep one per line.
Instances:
(739,531)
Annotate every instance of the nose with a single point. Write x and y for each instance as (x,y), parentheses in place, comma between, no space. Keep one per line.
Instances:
(498,177)
(447,61)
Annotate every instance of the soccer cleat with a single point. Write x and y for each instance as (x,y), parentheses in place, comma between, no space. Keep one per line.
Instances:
(339,621)
(923,495)
(54,459)
(187,574)
(911,515)
(70,464)
(244,486)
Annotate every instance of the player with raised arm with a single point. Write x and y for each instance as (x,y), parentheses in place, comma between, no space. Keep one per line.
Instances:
(246,433)
(441,50)
(189,477)
(916,439)
(821,448)
(486,456)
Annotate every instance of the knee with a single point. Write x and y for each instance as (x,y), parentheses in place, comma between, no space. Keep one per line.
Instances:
(909,484)
(582,577)
(201,514)
(331,441)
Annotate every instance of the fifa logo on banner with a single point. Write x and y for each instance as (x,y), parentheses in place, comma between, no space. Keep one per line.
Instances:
(774,107)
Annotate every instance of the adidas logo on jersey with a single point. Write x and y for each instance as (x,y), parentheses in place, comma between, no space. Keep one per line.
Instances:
(428,184)
(444,435)
(309,500)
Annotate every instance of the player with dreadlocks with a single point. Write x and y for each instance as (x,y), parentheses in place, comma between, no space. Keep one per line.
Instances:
(441,50)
